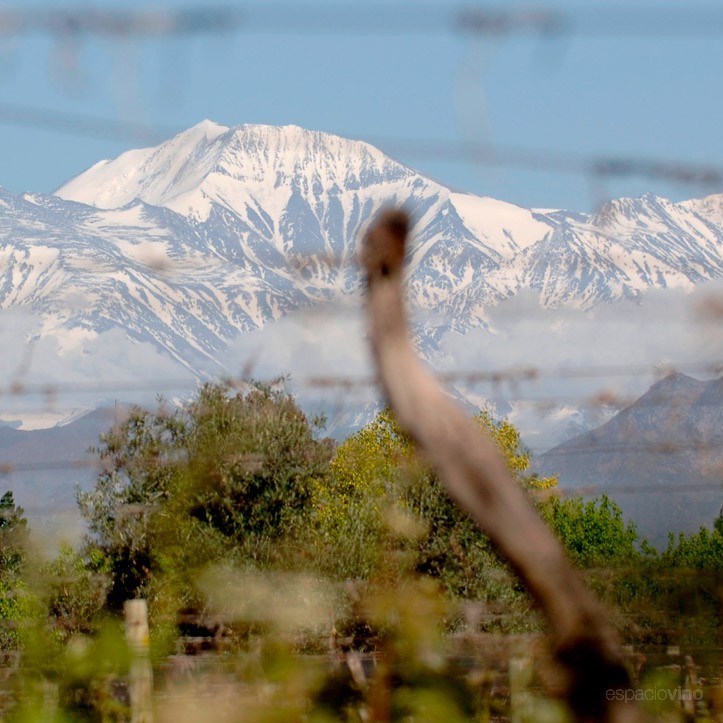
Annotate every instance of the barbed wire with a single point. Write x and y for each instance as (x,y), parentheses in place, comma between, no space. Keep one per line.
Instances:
(7,469)
(68,24)
(659,447)
(117,23)
(283,18)
(515,375)
(496,377)
(602,167)
(666,448)
(83,125)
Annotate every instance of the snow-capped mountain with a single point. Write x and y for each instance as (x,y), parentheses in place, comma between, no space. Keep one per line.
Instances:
(219,230)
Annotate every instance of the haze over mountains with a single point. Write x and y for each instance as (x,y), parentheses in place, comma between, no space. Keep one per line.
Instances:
(661,458)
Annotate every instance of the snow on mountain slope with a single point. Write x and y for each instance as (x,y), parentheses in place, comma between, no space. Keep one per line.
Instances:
(154,175)
(629,246)
(508,228)
(289,199)
(41,420)
(219,230)
(230,167)
(299,190)
(86,272)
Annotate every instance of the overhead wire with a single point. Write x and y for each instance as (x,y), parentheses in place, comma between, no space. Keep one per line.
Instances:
(119,23)
(659,447)
(83,125)
(604,167)
(372,18)
(681,490)
(464,152)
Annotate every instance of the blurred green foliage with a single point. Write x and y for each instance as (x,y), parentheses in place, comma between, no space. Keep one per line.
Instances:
(232,509)
(13,536)
(702,550)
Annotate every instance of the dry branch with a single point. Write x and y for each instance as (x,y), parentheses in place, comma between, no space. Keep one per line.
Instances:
(476,476)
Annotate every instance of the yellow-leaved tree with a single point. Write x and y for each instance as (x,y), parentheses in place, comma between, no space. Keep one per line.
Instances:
(385,510)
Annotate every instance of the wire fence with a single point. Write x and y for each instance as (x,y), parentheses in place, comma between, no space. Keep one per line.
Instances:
(660,446)
(43,466)
(500,376)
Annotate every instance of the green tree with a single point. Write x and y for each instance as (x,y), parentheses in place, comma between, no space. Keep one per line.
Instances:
(253,460)
(13,535)
(594,533)
(226,477)
(13,540)
(700,550)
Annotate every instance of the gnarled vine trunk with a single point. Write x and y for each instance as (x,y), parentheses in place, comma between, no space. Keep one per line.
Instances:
(476,476)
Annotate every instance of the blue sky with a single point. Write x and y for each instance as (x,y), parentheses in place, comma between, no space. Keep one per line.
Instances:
(657,97)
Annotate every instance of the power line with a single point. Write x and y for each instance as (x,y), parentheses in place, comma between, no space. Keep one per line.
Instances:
(554,161)
(683,21)
(86,126)
(8,468)
(378,19)
(67,22)
(598,166)
(590,490)
(273,18)
(516,375)
(18,388)
(660,447)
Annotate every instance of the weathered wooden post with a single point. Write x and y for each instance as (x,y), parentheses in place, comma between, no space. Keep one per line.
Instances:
(476,476)
(140,678)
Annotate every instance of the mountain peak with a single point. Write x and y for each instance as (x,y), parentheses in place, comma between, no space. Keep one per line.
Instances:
(667,441)
(155,175)
(210,129)
(211,163)
(626,209)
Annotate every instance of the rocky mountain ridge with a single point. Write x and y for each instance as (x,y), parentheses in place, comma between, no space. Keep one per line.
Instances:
(661,458)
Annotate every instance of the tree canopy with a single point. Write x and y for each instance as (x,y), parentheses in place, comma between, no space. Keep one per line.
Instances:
(228,474)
